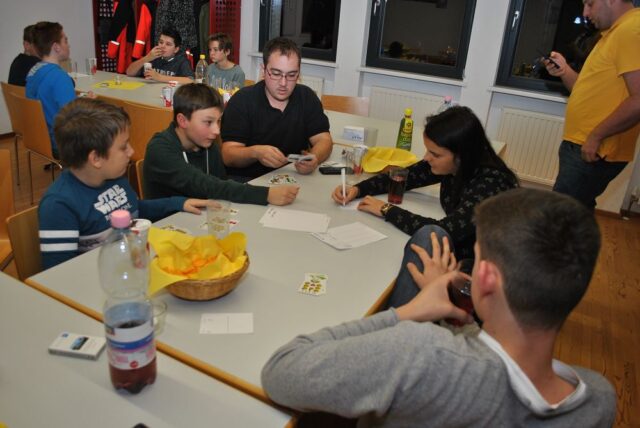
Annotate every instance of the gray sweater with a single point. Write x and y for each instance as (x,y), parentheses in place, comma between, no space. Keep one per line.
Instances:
(406,374)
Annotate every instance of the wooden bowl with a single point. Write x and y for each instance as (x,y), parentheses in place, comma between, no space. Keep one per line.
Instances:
(208,289)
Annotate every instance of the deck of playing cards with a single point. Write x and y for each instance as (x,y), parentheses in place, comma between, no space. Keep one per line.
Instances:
(314,284)
(282,179)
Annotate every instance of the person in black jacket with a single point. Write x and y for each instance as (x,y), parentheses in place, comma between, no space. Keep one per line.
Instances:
(24,61)
(460,158)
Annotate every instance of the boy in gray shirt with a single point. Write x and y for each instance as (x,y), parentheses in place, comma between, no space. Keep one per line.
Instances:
(222,72)
(535,254)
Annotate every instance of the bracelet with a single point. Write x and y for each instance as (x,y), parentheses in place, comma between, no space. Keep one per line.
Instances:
(385,209)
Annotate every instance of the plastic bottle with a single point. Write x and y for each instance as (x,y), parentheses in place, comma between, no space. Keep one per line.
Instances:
(201,70)
(447,103)
(406,131)
(128,313)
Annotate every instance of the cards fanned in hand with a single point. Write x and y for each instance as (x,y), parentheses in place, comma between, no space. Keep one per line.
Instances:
(282,179)
(314,284)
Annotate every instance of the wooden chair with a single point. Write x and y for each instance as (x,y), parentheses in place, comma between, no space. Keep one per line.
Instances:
(139,165)
(145,122)
(248,82)
(15,118)
(35,134)
(25,241)
(6,207)
(353,105)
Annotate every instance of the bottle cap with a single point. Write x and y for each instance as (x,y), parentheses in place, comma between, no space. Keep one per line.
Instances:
(120,219)
(408,112)
(201,56)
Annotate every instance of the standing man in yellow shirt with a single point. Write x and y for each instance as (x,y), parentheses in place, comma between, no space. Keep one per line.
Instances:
(602,121)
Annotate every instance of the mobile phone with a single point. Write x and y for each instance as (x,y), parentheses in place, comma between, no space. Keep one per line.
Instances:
(334,170)
(548,58)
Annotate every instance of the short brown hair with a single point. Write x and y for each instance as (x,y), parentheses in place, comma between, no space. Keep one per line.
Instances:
(45,34)
(224,41)
(85,125)
(284,46)
(193,97)
(27,34)
(545,244)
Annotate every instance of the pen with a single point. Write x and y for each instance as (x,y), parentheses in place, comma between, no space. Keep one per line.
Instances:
(343,176)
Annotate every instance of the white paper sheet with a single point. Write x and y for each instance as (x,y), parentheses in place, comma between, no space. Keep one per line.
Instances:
(240,323)
(351,235)
(303,221)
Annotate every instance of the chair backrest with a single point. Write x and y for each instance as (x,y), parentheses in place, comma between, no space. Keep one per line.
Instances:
(248,82)
(353,105)
(6,190)
(145,122)
(36,135)
(25,241)
(12,105)
(139,165)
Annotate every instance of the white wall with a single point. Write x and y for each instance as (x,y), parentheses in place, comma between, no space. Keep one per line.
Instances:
(75,16)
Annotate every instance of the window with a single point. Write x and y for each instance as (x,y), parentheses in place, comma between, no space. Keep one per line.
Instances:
(421,36)
(536,27)
(312,24)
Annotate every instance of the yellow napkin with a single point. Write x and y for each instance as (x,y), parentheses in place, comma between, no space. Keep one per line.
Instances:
(377,158)
(180,256)
(125,85)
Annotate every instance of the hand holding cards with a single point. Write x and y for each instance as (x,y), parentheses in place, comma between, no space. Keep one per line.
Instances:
(293,157)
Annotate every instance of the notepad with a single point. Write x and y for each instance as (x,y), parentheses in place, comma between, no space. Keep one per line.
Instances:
(351,235)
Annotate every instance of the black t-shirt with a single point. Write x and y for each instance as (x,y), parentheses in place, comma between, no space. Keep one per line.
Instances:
(175,66)
(249,119)
(20,68)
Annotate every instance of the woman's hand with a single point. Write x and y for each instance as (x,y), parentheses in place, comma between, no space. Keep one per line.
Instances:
(371,205)
(351,194)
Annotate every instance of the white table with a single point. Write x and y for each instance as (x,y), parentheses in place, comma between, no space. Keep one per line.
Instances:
(279,259)
(149,93)
(40,389)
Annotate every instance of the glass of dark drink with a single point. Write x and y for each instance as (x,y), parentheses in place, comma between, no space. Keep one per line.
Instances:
(397,183)
(460,295)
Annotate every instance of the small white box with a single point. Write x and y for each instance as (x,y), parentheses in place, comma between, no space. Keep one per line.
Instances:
(78,345)
(360,135)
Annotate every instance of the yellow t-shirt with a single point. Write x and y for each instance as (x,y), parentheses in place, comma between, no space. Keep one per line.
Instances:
(600,88)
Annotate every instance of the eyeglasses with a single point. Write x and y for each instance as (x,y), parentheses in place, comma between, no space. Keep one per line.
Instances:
(291,76)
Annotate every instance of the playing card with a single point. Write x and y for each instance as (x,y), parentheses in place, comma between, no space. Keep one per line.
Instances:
(314,284)
(282,179)
(174,228)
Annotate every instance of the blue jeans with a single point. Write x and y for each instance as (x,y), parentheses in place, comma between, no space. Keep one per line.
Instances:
(583,180)
(405,288)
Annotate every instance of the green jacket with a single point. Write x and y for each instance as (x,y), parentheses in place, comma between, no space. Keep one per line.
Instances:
(167,173)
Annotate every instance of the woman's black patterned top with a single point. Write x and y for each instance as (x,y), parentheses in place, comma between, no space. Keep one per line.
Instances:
(458,221)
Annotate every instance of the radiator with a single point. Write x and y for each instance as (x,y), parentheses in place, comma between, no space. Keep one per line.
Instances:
(389,104)
(532,141)
(315,83)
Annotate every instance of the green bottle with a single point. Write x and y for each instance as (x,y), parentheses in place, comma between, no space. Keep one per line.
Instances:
(406,131)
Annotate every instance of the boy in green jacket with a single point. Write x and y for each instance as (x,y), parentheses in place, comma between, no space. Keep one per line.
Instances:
(185,159)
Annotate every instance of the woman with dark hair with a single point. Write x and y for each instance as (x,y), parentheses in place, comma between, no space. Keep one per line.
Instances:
(459,156)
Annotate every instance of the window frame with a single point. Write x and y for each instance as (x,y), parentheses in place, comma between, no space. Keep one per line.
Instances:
(374,59)
(504,76)
(309,53)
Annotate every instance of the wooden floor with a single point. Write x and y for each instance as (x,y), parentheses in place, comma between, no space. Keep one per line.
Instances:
(603,333)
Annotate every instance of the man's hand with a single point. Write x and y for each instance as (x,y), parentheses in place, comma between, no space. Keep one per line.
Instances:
(195,206)
(351,194)
(282,195)
(559,68)
(440,262)
(306,166)
(432,302)
(590,149)
(371,205)
(269,156)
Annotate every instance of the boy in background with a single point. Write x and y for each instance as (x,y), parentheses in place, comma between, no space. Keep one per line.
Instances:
(185,158)
(167,62)
(93,139)
(535,254)
(221,67)
(24,61)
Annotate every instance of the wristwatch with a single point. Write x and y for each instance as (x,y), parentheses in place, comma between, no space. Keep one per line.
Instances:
(385,209)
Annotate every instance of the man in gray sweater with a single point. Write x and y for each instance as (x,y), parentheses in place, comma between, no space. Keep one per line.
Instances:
(535,254)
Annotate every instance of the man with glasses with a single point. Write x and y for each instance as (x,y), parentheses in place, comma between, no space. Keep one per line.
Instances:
(264,123)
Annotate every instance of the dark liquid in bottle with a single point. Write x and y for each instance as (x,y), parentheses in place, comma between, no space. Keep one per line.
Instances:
(134,379)
(396,190)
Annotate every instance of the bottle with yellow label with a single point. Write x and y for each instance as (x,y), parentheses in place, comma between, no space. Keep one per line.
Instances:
(406,131)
